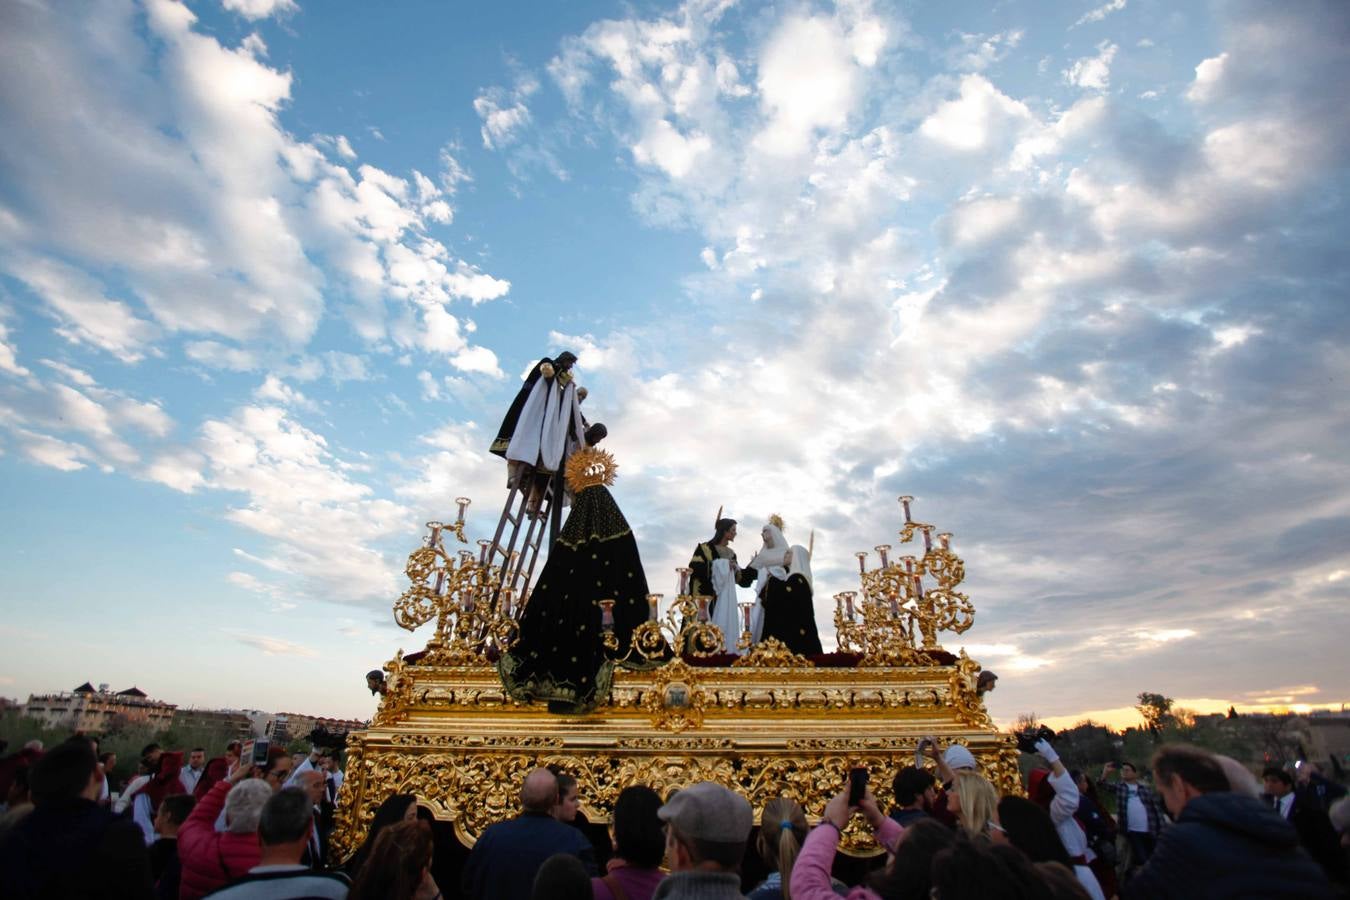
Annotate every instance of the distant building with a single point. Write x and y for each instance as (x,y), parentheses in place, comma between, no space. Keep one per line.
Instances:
(89,709)
(287,727)
(235,722)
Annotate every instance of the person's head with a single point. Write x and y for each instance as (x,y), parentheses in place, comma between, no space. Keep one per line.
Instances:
(1029,828)
(108,761)
(1182,773)
(232,750)
(977,870)
(196,758)
(397,863)
(707,827)
(562,877)
(986,682)
(913,786)
(910,872)
(960,758)
(638,838)
(285,823)
(65,773)
(1276,781)
(375,681)
(782,828)
(1061,882)
(244,804)
(565,810)
(173,812)
(279,768)
(150,754)
(1128,773)
(564,361)
(313,783)
(1304,770)
(724,532)
(1340,819)
(974,801)
(596,433)
(1240,778)
(539,793)
(1039,788)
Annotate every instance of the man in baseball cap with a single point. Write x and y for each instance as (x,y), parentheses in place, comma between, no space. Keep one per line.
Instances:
(707,827)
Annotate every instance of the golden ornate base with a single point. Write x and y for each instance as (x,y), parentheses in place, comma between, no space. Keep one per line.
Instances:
(449,735)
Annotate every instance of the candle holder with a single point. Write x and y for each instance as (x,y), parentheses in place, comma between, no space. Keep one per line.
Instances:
(474,618)
(898,618)
(683,629)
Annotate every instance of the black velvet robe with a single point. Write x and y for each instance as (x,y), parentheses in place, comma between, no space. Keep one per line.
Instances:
(559,655)
(788,615)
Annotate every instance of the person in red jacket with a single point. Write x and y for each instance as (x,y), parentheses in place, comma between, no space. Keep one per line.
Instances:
(210,858)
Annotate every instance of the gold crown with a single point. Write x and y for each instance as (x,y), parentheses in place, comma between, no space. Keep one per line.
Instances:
(589,467)
(777,522)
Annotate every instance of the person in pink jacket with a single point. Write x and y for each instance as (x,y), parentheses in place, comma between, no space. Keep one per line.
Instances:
(811,874)
(210,858)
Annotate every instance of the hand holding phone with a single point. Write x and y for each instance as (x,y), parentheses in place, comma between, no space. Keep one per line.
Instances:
(857,786)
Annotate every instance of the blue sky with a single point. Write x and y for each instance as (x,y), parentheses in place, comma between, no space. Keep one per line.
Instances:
(1072,274)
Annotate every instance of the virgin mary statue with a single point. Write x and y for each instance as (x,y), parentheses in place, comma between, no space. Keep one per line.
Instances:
(560,654)
(784,609)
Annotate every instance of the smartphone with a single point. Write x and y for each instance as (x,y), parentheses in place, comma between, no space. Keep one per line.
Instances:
(260,752)
(857,786)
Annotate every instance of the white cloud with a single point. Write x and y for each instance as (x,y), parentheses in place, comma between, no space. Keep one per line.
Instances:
(977,52)
(260,9)
(807,80)
(1101,12)
(504,114)
(272,646)
(54,452)
(1208,79)
(1093,72)
(980,118)
(84,313)
(9,358)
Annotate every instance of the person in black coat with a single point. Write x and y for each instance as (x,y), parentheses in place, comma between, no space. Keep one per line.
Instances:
(69,846)
(1222,844)
(506,858)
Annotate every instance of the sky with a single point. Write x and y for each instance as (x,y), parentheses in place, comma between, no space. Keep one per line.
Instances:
(1072,274)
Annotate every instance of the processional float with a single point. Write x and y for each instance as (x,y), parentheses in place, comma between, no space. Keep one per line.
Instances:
(766,723)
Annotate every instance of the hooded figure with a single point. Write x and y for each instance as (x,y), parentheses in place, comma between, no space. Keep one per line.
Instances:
(784,609)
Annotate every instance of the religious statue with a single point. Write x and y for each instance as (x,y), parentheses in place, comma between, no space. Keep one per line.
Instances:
(714,572)
(560,655)
(784,608)
(542,427)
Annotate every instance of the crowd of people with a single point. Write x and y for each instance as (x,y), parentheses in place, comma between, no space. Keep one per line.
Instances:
(237,829)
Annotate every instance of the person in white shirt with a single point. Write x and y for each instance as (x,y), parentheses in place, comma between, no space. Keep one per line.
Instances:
(192,772)
(1054,789)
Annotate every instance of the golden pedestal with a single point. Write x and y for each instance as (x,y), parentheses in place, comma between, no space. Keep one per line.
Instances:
(771,724)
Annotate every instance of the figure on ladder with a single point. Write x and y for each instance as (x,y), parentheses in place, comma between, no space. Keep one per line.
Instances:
(542,428)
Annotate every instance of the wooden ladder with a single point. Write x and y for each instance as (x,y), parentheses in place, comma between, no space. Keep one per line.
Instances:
(517,565)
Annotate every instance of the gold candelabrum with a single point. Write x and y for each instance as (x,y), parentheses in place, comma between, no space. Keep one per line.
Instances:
(475,615)
(899,616)
(477,618)
(685,625)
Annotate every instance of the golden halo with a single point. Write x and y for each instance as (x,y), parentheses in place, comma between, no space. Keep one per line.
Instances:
(589,467)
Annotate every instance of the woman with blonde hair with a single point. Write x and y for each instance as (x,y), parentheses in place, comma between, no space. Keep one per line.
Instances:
(974,802)
(782,828)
